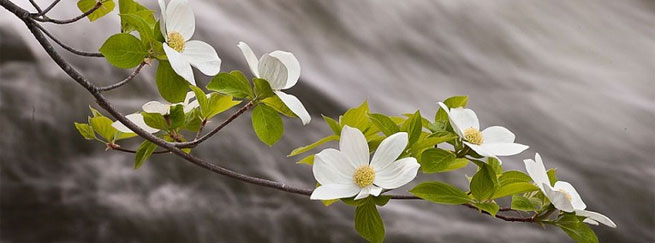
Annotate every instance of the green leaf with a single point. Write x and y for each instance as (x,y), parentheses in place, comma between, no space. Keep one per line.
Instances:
(381,200)
(384,123)
(124,51)
(522,204)
(329,202)
(86,131)
(139,23)
(484,183)
(233,83)
(440,192)
(368,222)
(155,120)
(576,229)
(495,165)
(172,87)
(102,125)
(262,88)
(94,112)
(514,188)
(121,135)
(143,152)
(132,7)
(201,97)
(513,176)
(303,149)
(356,117)
(177,117)
(193,121)
(452,102)
(551,176)
(334,125)
(430,141)
(309,160)
(413,127)
(267,124)
(489,207)
(86,5)
(276,103)
(219,103)
(435,160)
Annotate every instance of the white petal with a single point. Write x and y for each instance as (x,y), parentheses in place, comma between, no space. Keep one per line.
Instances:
(274,71)
(397,174)
(334,191)
(180,18)
(162,19)
(457,130)
(137,119)
(253,63)
(156,107)
(595,217)
(202,56)
(537,171)
(179,64)
(480,150)
(364,192)
(463,119)
(576,200)
(291,63)
(497,134)
(375,191)
(332,167)
(194,104)
(590,221)
(189,95)
(503,149)
(295,106)
(353,145)
(389,150)
(558,199)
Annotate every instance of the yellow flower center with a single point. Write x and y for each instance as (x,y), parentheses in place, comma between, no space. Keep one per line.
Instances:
(364,176)
(176,41)
(567,195)
(473,136)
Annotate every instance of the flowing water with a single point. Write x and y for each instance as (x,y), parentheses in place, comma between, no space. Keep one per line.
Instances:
(575,80)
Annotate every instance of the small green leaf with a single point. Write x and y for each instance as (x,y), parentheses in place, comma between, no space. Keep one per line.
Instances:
(102,125)
(233,83)
(435,160)
(356,117)
(368,222)
(522,204)
(143,152)
(513,176)
(452,102)
(576,229)
(303,149)
(155,120)
(384,123)
(439,192)
(86,131)
(132,7)
(484,183)
(94,112)
(551,176)
(172,87)
(334,125)
(514,188)
(177,117)
(262,88)
(121,135)
(381,200)
(86,5)
(267,124)
(276,103)
(309,160)
(219,103)
(193,121)
(124,51)
(327,203)
(201,97)
(489,207)
(413,127)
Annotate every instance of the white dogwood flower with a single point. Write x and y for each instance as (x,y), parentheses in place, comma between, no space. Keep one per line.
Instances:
(347,172)
(491,142)
(164,109)
(137,119)
(177,25)
(563,195)
(282,70)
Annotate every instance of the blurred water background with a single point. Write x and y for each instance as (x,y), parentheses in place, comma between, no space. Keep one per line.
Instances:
(575,80)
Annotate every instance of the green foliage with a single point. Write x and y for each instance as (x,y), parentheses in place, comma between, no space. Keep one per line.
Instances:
(85,130)
(413,126)
(155,120)
(435,160)
(233,83)
(356,117)
(139,24)
(303,149)
(489,207)
(202,100)
(524,204)
(452,102)
(439,192)
(552,178)
(276,103)
(86,5)
(176,118)
(124,51)
(309,160)
(146,148)
(384,124)
(513,176)
(262,88)
(267,124)
(102,125)
(218,103)
(484,183)
(514,188)
(368,221)
(334,125)
(132,7)
(172,87)
(576,229)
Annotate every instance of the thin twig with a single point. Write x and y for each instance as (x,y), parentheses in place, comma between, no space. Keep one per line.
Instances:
(124,81)
(104,103)
(68,21)
(68,48)
(46,10)
(215,130)
(134,151)
(36,6)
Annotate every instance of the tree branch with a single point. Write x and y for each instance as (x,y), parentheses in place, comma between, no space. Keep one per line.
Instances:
(72,20)
(46,10)
(36,6)
(124,81)
(215,130)
(106,105)
(68,48)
